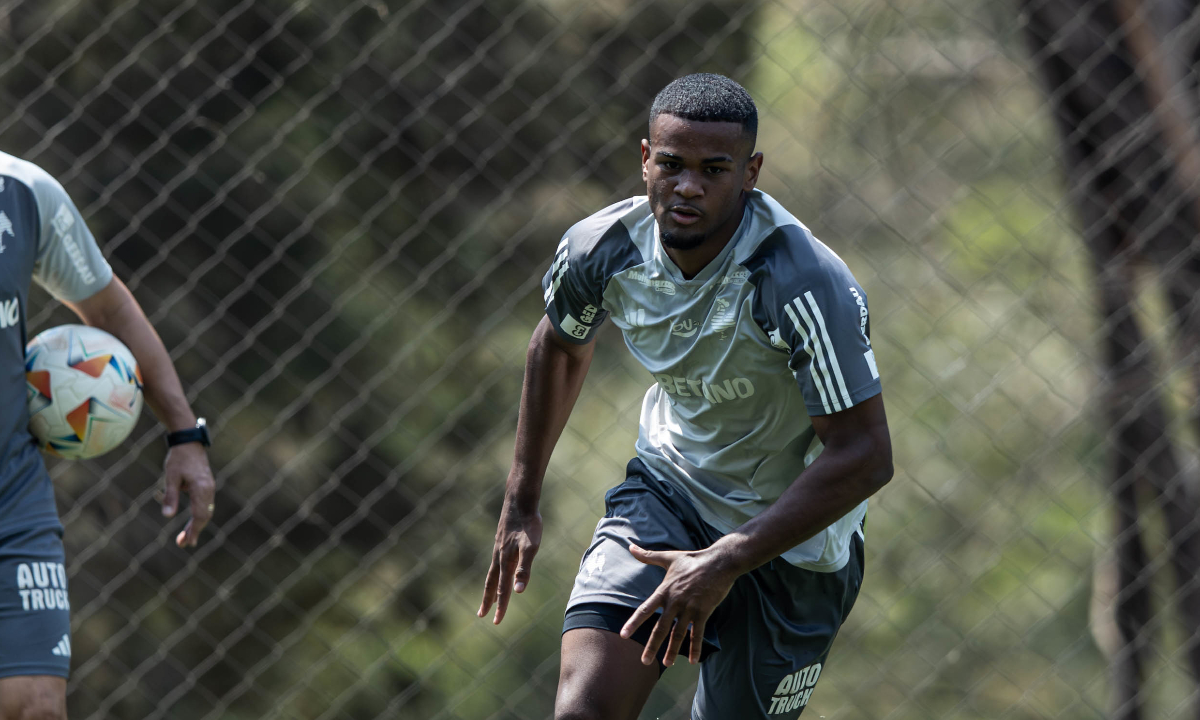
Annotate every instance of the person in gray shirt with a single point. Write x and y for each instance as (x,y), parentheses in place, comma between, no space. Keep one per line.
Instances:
(736,538)
(737,535)
(44,238)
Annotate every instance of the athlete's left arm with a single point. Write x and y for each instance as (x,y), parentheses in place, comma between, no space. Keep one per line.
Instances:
(856,462)
(115,310)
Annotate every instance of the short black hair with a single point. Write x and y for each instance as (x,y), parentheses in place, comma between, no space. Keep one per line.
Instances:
(707,97)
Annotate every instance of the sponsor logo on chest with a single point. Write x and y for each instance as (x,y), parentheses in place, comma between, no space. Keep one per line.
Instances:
(666,287)
(685,328)
(714,391)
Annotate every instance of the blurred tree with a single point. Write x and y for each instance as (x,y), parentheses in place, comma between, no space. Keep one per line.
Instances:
(1121,83)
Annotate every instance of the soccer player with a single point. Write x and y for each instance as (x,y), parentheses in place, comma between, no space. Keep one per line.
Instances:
(43,237)
(736,539)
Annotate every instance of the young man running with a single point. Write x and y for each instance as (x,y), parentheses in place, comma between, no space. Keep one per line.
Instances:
(736,538)
(43,237)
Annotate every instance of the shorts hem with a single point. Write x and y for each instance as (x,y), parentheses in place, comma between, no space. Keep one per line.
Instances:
(612,617)
(29,669)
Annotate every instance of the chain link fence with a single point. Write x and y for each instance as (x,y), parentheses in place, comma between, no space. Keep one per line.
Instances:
(337,215)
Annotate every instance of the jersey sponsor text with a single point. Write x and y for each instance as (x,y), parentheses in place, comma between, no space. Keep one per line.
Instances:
(666,287)
(715,392)
(685,328)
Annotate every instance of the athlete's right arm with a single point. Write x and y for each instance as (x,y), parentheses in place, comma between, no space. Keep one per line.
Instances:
(554,373)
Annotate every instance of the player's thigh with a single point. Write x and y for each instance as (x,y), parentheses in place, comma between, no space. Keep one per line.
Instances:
(33,697)
(602,677)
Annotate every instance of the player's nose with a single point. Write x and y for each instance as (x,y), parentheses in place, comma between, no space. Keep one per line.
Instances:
(689,186)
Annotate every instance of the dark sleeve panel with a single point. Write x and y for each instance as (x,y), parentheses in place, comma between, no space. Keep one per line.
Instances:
(586,259)
(812,308)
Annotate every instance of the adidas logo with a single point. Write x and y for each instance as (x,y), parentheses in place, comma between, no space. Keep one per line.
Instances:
(63,649)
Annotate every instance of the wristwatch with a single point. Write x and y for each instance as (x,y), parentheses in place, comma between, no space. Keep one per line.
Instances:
(197,434)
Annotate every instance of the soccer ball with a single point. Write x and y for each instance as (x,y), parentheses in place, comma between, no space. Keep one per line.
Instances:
(84,391)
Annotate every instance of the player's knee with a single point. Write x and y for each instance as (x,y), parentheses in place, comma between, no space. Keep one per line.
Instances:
(577,701)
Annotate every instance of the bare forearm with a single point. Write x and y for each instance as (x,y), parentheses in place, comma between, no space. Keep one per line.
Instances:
(121,316)
(856,462)
(828,489)
(553,379)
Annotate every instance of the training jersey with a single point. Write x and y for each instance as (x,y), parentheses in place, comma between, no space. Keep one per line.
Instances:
(42,237)
(773,331)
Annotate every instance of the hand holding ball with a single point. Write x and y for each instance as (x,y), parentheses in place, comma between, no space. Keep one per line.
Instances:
(84,391)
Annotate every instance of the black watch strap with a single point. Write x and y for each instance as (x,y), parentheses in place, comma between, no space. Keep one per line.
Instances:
(197,434)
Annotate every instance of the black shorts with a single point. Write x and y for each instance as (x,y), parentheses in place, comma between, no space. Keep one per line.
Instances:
(766,644)
(35,613)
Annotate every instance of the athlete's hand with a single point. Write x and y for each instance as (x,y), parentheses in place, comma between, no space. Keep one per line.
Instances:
(518,537)
(186,468)
(696,582)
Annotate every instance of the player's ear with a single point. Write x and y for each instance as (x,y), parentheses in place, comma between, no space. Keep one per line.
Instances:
(645,160)
(753,168)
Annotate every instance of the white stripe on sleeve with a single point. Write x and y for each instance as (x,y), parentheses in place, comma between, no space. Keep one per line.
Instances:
(821,353)
(837,369)
(812,366)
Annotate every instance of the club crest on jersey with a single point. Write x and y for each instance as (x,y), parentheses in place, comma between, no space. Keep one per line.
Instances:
(685,328)
(723,317)
(794,690)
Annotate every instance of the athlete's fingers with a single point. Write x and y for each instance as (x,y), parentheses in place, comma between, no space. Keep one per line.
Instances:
(658,635)
(697,641)
(508,565)
(200,498)
(641,615)
(678,633)
(490,584)
(661,558)
(524,566)
(170,502)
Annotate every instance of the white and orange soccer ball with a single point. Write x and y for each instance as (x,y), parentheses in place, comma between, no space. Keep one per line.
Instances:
(84,391)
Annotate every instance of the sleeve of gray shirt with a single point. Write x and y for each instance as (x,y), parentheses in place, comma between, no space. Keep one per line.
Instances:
(586,259)
(812,308)
(69,262)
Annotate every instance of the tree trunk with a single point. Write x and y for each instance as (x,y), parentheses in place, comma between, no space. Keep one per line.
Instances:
(1132,157)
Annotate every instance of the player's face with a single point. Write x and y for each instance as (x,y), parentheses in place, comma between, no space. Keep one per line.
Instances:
(695,175)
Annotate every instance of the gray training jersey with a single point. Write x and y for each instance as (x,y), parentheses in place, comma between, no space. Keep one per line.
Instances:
(43,238)
(771,332)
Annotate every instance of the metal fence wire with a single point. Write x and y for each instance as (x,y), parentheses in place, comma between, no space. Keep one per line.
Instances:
(337,215)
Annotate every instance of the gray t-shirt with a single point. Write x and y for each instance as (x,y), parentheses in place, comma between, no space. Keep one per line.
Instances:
(771,332)
(42,237)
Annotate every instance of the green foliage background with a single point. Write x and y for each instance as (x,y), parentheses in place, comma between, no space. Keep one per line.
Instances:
(337,215)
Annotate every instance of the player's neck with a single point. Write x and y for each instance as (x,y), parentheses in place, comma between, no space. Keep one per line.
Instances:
(691,261)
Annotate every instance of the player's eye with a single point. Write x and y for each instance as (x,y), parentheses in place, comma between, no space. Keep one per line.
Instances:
(669,165)
(713,170)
